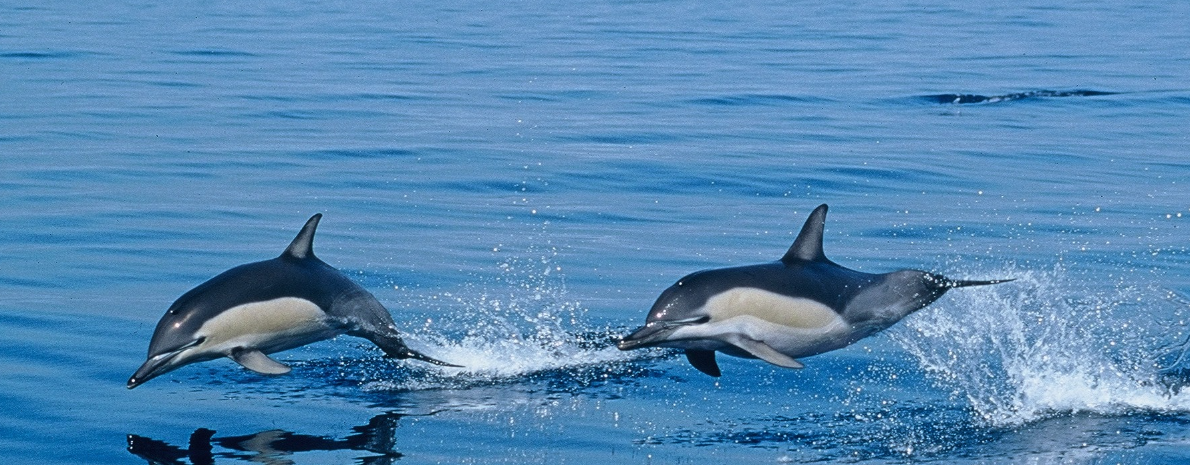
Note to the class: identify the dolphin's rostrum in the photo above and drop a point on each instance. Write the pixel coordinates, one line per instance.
(260, 308)
(778, 312)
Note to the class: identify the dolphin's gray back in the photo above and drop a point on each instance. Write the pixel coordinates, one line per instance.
(803, 272)
(307, 278)
(820, 281)
(333, 292)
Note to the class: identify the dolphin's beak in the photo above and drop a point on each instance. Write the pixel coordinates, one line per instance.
(152, 368)
(158, 365)
(651, 334)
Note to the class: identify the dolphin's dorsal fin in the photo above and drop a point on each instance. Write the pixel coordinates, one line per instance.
(303, 245)
(808, 245)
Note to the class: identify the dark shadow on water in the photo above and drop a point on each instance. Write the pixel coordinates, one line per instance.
(1175, 381)
(377, 439)
(967, 99)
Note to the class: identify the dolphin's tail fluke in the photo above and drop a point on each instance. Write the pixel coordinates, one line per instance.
(955, 283)
(935, 285)
(394, 347)
(938, 284)
(413, 354)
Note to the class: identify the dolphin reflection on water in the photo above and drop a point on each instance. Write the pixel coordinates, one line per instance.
(275, 447)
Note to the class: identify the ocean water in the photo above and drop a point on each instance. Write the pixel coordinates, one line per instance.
(518, 181)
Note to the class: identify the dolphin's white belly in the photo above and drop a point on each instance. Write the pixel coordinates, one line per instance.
(268, 326)
(796, 327)
(791, 341)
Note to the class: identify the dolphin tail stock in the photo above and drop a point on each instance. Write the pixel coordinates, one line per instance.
(393, 346)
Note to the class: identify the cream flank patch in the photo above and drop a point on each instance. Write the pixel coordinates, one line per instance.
(259, 321)
(794, 312)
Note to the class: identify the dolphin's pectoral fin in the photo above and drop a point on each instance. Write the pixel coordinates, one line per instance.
(257, 361)
(704, 361)
(766, 353)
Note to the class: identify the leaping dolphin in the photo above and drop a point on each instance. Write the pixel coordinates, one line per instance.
(778, 312)
(260, 308)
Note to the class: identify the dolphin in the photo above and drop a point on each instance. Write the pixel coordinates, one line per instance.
(260, 308)
(801, 305)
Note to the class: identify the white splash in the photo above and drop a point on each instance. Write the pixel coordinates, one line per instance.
(507, 358)
(1044, 346)
(514, 324)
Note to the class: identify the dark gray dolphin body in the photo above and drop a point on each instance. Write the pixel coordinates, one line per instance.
(799, 306)
(260, 308)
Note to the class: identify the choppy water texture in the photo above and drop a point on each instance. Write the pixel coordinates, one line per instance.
(518, 182)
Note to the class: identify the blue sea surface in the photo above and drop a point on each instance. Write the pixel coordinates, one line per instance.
(518, 181)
